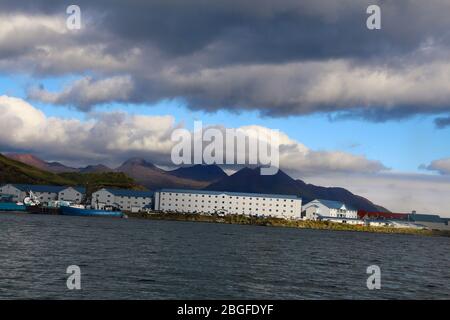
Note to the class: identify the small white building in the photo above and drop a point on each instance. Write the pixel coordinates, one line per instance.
(72, 194)
(126, 200)
(43, 193)
(221, 202)
(319, 209)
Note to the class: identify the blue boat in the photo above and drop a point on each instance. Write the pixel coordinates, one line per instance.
(11, 206)
(6, 204)
(83, 212)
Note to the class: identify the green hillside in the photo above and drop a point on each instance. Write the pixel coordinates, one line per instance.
(12, 171)
(95, 181)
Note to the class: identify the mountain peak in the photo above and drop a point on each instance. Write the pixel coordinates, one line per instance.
(26, 158)
(200, 172)
(138, 162)
(34, 161)
(251, 180)
(96, 169)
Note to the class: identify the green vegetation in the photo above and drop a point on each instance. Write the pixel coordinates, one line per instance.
(12, 171)
(95, 181)
(277, 222)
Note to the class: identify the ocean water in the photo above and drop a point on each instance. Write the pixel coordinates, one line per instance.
(144, 259)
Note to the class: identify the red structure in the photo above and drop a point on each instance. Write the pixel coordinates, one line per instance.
(362, 214)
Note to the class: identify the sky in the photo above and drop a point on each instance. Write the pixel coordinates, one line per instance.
(368, 110)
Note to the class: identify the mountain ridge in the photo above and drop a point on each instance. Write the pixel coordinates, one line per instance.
(13, 171)
(153, 177)
(250, 180)
(210, 173)
(210, 177)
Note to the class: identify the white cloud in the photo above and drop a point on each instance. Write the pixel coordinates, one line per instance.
(104, 136)
(119, 135)
(41, 44)
(20, 32)
(295, 157)
(442, 166)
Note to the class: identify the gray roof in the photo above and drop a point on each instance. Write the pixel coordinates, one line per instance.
(79, 189)
(45, 188)
(239, 194)
(334, 204)
(130, 193)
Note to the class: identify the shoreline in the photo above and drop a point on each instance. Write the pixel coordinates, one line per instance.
(278, 222)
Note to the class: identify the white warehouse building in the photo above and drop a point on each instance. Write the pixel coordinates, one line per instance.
(222, 202)
(322, 209)
(44, 193)
(127, 200)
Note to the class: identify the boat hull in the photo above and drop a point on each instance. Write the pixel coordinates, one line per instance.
(42, 210)
(11, 206)
(70, 211)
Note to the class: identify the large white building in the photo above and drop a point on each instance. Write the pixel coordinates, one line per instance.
(44, 193)
(221, 202)
(127, 200)
(322, 209)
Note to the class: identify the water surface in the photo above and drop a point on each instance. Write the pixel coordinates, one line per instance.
(144, 259)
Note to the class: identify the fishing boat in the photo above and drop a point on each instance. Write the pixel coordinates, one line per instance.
(7, 204)
(33, 205)
(80, 210)
(52, 207)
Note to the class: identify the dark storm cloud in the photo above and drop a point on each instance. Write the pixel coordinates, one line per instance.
(262, 30)
(279, 57)
(442, 123)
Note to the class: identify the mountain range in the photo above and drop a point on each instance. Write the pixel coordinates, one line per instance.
(13, 171)
(55, 167)
(207, 177)
(250, 180)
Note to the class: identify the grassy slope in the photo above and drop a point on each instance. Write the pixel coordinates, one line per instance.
(12, 171)
(94, 181)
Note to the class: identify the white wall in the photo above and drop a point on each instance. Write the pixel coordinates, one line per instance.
(315, 208)
(11, 190)
(125, 203)
(46, 196)
(70, 194)
(185, 202)
(101, 198)
(20, 195)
